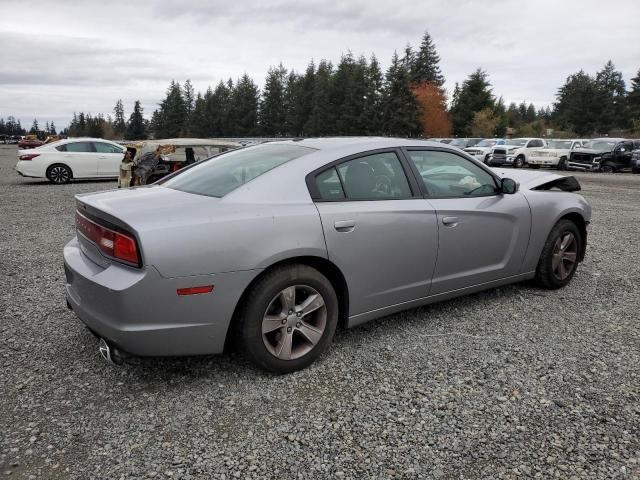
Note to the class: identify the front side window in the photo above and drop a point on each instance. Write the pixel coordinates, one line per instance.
(446, 174)
(102, 147)
(79, 147)
(224, 173)
(374, 177)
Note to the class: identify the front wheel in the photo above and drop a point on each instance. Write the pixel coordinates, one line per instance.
(518, 162)
(559, 259)
(607, 168)
(289, 318)
(59, 174)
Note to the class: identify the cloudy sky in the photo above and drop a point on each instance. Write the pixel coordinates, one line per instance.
(61, 56)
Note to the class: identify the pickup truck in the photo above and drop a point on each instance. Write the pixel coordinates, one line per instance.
(608, 155)
(555, 154)
(514, 152)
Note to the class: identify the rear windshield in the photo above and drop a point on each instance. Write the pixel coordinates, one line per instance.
(224, 173)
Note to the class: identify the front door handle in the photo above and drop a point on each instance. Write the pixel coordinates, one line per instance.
(451, 221)
(345, 225)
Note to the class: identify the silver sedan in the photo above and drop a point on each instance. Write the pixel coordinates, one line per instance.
(270, 247)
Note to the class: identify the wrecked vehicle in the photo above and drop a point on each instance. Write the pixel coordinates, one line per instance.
(555, 154)
(148, 161)
(607, 155)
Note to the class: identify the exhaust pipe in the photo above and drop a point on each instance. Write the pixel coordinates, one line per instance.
(110, 353)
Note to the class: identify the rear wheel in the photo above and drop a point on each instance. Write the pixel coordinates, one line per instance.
(59, 174)
(289, 318)
(559, 258)
(607, 168)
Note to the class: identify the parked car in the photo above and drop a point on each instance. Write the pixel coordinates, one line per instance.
(463, 143)
(607, 155)
(150, 160)
(13, 139)
(4, 139)
(482, 150)
(446, 141)
(30, 141)
(555, 154)
(272, 246)
(514, 152)
(635, 161)
(73, 158)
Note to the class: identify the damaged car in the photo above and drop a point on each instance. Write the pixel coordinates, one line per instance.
(268, 248)
(555, 154)
(607, 155)
(147, 162)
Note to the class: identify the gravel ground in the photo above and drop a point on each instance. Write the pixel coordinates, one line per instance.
(515, 382)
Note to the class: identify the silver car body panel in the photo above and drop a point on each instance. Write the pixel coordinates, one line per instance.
(399, 253)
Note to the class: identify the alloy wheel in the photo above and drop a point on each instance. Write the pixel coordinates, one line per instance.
(565, 256)
(294, 322)
(59, 174)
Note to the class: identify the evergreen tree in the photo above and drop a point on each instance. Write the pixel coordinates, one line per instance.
(118, 120)
(374, 87)
(319, 121)
(218, 110)
(611, 97)
(426, 64)
(244, 107)
(474, 96)
(633, 99)
(136, 124)
(199, 123)
(348, 96)
(52, 128)
(173, 112)
(400, 108)
(46, 127)
(273, 111)
(189, 104)
(575, 108)
(34, 126)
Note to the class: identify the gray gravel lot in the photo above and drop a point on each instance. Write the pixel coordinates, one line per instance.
(515, 382)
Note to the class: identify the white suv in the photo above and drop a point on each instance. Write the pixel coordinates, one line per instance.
(514, 152)
(72, 158)
(556, 154)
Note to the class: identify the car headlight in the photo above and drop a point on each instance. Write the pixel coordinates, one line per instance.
(596, 159)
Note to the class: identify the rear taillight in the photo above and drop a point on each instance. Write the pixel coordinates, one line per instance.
(29, 156)
(118, 245)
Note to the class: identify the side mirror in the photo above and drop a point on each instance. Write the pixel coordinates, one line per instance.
(508, 186)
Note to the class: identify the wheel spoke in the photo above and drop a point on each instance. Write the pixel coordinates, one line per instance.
(312, 334)
(272, 322)
(555, 260)
(283, 349)
(288, 298)
(570, 257)
(311, 304)
(566, 241)
(562, 271)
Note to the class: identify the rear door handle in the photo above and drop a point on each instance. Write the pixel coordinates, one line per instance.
(452, 221)
(345, 225)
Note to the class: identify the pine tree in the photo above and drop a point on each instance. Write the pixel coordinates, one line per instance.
(46, 127)
(244, 107)
(400, 108)
(474, 96)
(189, 104)
(575, 108)
(218, 108)
(34, 126)
(348, 96)
(52, 128)
(426, 64)
(374, 88)
(136, 124)
(319, 121)
(273, 111)
(173, 112)
(118, 120)
(633, 99)
(611, 98)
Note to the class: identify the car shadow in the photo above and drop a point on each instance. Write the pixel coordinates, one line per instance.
(40, 182)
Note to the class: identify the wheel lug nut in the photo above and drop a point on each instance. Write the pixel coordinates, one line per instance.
(298, 325)
(290, 312)
(298, 314)
(284, 321)
(289, 329)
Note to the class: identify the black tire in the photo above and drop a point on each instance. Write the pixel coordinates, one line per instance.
(261, 296)
(635, 170)
(59, 174)
(486, 159)
(545, 276)
(519, 162)
(562, 164)
(608, 168)
(535, 167)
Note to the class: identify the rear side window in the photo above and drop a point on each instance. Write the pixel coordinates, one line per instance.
(102, 147)
(329, 185)
(377, 176)
(79, 147)
(225, 173)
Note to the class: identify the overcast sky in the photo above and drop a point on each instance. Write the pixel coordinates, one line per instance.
(61, 56)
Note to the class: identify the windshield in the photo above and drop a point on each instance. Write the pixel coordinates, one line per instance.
(516, 142)
(486, 143)
(600, 145)
(566, 144)
(222, 174)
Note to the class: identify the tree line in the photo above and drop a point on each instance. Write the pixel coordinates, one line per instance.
(355, 97)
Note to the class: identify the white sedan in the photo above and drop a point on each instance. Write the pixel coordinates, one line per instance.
(72, 158)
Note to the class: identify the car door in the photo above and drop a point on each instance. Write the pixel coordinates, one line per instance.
(81, 158)
(378, 229)
(109, 158)
(622, 154)
(483, 234)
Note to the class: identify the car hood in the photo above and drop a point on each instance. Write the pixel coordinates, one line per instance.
(591, 150)
(530, 179)
(479, 149)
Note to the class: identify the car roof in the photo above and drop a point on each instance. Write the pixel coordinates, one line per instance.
(356, 143)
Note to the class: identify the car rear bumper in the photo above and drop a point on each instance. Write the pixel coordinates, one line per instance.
(28, 168)
(140, 312)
